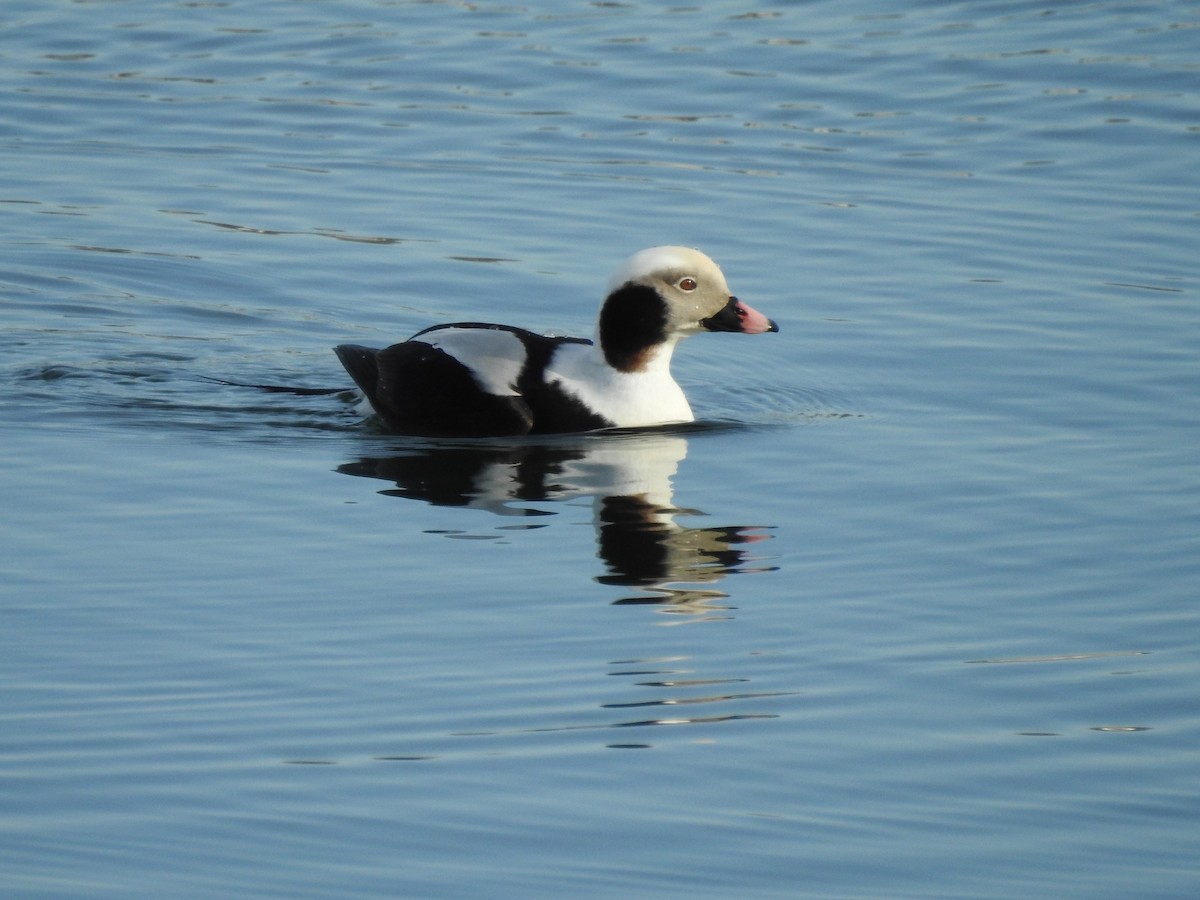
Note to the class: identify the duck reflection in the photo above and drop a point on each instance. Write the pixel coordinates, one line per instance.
(629, 478)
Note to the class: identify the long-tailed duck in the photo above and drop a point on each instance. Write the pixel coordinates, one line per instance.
(472, 379)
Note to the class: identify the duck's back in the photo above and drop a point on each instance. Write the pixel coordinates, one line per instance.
(469, 379)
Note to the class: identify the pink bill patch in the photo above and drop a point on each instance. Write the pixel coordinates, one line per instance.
(753, 322)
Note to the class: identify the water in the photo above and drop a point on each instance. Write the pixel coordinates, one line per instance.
(910, 613)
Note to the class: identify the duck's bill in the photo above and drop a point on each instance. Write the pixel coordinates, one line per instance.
(740, 317)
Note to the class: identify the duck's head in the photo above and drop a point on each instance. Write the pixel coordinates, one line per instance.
(663, 294)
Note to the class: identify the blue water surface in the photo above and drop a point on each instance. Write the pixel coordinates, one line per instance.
(911, 610)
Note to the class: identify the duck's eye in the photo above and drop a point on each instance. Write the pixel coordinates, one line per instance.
(686, 284)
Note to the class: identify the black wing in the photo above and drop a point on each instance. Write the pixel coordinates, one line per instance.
(420, 390)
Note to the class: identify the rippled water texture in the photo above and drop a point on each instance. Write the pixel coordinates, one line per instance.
(909, 612)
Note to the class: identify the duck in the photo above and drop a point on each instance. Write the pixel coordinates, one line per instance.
(477, 379)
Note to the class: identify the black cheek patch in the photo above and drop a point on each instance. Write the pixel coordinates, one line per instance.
(632, 320)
